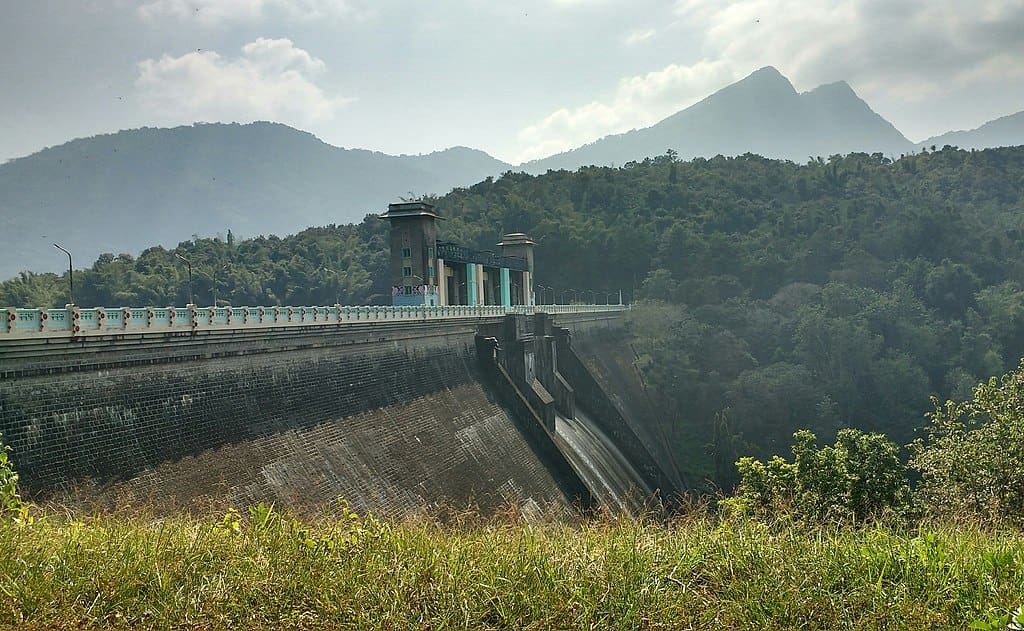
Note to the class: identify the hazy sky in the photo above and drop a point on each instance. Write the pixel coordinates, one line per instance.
(519, 80)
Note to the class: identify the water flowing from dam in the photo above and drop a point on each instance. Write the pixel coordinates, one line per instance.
(600, 464)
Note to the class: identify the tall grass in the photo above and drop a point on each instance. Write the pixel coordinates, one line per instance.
(701, 571)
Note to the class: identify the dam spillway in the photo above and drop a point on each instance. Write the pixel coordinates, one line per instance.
(615, 483)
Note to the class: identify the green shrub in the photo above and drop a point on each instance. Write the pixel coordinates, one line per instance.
(970, 460)
(859, 477)
(11, 504)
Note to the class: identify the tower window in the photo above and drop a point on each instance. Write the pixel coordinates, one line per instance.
(407, 271)
(406, 253)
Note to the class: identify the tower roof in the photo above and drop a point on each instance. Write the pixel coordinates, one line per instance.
(402, 210)
(516, 238)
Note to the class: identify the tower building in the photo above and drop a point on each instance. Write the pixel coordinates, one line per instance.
(413, 253)
(425, 271)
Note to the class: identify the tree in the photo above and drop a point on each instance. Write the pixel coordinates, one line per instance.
(970, 459)
(859, 477)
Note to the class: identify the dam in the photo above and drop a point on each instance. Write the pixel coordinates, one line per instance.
(395, 409)
(463, 393)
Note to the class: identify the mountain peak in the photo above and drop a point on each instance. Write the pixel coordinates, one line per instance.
(767, 76)
(768, 71)
(761, 113)
(838, 88)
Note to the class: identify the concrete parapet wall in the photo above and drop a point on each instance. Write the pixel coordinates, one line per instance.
(76, 322)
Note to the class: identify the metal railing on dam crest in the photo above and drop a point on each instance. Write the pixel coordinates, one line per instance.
(75, 321)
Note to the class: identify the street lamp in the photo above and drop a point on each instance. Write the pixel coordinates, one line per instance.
(574, 298)
(593, 296)
(216, 283)
(189, 263)
(71, 275)
(337, 291)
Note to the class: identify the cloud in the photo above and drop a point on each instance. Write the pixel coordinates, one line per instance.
(215, 12)
(902, 49)
(638, 102)
(572, 4)
(272, 79)
(639, 36)
(892, 51)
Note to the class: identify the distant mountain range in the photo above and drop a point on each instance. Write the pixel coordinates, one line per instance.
(1007, 131)
(760, 114)
(125, 191)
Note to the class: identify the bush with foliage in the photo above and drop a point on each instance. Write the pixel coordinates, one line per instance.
(971, 458)
(859, 477)
(11, 504)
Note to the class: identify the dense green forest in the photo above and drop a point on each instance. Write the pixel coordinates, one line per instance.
(770, 296)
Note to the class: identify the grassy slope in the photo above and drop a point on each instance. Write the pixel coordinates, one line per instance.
(698, 572)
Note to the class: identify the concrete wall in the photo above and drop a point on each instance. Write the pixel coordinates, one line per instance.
(611, 362)
(391, 417)
(607, 411)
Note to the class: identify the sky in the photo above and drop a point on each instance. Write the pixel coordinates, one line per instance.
(518, 79)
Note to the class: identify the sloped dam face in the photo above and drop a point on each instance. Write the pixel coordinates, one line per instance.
(394, 419)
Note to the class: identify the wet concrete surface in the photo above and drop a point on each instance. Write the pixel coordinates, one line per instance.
(607, 473)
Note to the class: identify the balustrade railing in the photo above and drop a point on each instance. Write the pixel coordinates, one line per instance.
(75, 321)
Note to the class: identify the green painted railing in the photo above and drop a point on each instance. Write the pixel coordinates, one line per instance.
(75, 321)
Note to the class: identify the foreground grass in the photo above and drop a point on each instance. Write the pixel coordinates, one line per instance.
(697, 572)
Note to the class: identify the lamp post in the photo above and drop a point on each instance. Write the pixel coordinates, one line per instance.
(189, 263)
(71, 275)
(337, 293)
(593, 296)
(215, 285)
(574, 297)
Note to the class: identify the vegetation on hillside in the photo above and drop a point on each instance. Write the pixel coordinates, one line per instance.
(770, 296)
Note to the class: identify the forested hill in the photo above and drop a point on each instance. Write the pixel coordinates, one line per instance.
(121, 192)
(775, 295)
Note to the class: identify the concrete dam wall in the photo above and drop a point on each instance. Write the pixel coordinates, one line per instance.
(394, 417)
